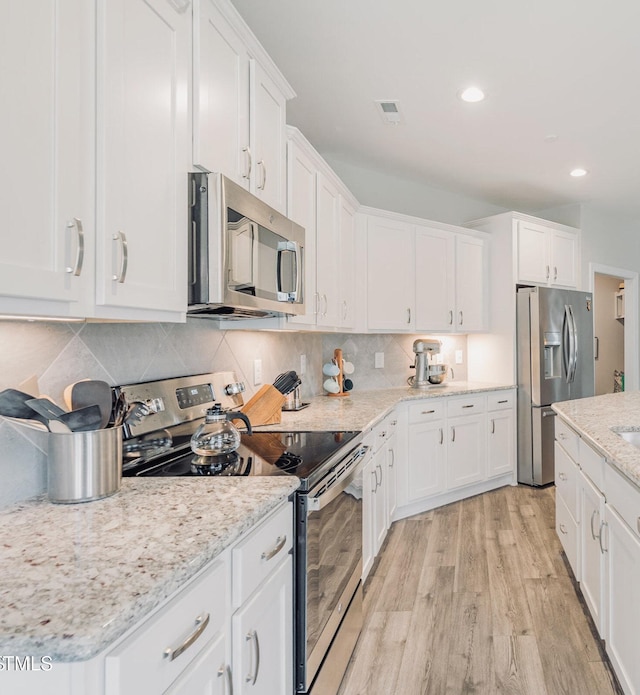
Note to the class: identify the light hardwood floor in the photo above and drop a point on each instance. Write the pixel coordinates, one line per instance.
(475, 598)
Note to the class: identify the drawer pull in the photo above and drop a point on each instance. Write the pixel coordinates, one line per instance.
(442, 442)
(252, 676)
(562, 476)
(603, 525)
(563, 529)
(504, 401)
(468, 406)
(493, 426)
(638, 524)
(201, 625)
(428, 412)
(593, 516)
(453, 434)
(280, 541)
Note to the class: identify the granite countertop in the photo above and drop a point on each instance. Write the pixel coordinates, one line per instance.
(596, 420)
(75, 577)
(362, 410)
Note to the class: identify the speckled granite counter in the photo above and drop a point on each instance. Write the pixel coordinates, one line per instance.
(361, 410)
(594, 418)
(73, 578)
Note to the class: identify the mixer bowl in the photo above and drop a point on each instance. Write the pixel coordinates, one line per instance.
(437, 373)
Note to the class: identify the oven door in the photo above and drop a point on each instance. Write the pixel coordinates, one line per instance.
(328, 566)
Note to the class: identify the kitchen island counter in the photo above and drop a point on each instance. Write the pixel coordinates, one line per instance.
(76, 577)
(596, 419)
(362, 410)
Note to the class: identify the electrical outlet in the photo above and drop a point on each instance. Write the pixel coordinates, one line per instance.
(379, 360)
(257, 372)
(458, 356)
(303, 364)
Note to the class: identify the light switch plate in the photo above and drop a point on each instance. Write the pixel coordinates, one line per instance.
(458, 356)
(257, 372)
(379, 360)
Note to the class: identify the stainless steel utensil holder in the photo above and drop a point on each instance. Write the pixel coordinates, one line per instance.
(84, 466)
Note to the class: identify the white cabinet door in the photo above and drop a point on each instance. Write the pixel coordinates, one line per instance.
(435, 280)
(46, 136)
(392, 484)
(593, 566)
(500, 442)
(143, 153)
(563, 258)
(380, 524)
(262, 632)
(533, 253)
(465, 450)
(208, 673)
(390, 275)
(220, 96)
(623, 601)
(267, 119)
(426, 459)
(347, 252)
(369, 485)
(327, 252)
(470, 284)
(301, 208)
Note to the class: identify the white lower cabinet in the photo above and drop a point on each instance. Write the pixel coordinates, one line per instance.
(456, 446)
(200, 678)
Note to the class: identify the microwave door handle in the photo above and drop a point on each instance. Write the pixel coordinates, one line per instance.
(288, 247)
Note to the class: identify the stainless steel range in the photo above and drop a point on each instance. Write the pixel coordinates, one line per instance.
(328, 505)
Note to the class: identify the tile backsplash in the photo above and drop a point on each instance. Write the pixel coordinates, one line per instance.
(61, 353)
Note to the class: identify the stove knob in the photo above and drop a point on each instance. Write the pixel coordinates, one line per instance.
(233, 389)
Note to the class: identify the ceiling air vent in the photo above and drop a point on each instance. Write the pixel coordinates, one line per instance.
(389, 111)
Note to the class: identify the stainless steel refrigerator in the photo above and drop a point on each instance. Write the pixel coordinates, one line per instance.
(555, 363)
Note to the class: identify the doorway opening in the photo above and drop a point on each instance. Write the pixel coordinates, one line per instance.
(615, 300)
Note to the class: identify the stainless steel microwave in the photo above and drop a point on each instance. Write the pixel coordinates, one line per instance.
(246, 260)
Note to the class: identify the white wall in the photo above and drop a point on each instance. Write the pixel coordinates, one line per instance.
(410, 197)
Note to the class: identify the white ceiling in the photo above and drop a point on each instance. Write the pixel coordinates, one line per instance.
(565, 68)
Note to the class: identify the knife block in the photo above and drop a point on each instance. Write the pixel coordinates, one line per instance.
(265, 406)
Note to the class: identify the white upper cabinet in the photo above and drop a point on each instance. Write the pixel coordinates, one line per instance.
(390, 274)
(470, 281)
(546, 255)
(143, 154)
(239, 104)
(220, 95)
(317, 200)
(435, 280)
(46, 130)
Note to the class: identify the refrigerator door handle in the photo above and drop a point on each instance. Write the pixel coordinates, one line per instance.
(574, 352)
(566, 344)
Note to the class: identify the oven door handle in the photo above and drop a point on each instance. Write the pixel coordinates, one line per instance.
(319, 500)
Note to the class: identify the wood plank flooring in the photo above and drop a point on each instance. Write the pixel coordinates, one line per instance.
(475, 598)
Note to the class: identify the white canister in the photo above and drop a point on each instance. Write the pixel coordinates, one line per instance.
(84, 466)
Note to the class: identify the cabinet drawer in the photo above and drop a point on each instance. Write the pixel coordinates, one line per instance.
(185, 625)
(260, 553)
(465, 406)
(567, 530)
(502, 400)
(424, 411)
(592, 464)
(566, 479)
(624, 498)
(567, 438)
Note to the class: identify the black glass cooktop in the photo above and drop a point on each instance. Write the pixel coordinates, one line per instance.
(262, 453)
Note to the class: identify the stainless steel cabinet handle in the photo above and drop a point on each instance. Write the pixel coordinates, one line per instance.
(408, 315)
(547, 272)
(451, 317)
(201, 625)
(453, 434)
(593, 533)
(468, 406)
(248, 163)
(393, 457)
(563, 529)
(442, 438)
(254, 663)
(555, 273)
(225, 672)
(344, 309)
(603, 550)
(326, 305)
(378, 468)
(461, 318)
(124, 258)
(493, 426)
(638, 524)
(263, 181)
(280, 541)
(375, 477)
(316, 309)
(505, 401)
(427, 412)
(77, 266)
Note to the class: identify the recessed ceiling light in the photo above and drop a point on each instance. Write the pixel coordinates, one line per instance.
(576, 173)
(472, 94)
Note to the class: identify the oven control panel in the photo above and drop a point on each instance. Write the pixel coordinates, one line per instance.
(188, 396)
